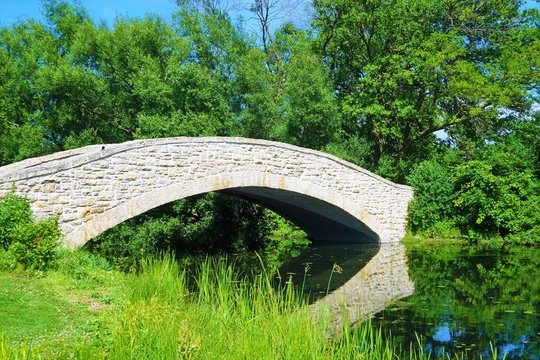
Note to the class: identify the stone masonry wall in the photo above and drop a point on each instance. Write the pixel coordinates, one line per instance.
(94, 188)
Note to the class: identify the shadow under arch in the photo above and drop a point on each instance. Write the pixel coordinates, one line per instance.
(322, 221)
(312, 207)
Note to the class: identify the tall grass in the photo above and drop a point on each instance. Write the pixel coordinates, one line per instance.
(212, 312)
(222, 316)
(22, 351)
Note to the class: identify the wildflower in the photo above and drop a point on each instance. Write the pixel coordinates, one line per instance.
(337, 269)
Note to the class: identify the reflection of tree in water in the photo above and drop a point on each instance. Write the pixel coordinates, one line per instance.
(466, 299)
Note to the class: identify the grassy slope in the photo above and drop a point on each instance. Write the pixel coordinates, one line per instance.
(60, 311)
(40, 313)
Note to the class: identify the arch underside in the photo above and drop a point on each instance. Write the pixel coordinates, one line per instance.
(322, 221)
(324, 215)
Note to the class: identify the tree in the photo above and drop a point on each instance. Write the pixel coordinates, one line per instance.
(434, 193)
(311, 112)
(405, 69)
(497, 190)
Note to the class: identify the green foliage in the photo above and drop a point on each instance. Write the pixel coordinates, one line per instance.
(197, 76)
(286, 241)
(492, 192)
(28, 242)
(312, 117)
(207, 224)
(482, 200)
(164, 318)
(166, 311)
(405, 69)
(434, 193)
(498, 194)
(371, 82)
(528, 237)
(13, 211)
(126, 245)
(35, 244)
(81, 265)
(352, 149)
(486, 297)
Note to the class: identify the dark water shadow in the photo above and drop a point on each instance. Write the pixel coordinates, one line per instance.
(325, 267)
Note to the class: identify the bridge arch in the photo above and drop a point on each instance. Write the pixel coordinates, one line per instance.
(94, 188)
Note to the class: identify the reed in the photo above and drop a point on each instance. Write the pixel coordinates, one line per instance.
(227, 316)
(20, 351)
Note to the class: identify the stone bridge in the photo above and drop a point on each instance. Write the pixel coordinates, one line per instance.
(94, 188)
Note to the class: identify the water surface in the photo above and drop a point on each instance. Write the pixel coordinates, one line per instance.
(324, 267)
(465, 298)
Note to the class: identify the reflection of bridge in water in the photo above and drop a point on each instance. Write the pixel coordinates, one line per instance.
(383, 280)
(368, 279)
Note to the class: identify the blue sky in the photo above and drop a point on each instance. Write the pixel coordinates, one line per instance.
(108, 10)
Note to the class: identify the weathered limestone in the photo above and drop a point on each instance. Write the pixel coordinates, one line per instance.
(94, 188)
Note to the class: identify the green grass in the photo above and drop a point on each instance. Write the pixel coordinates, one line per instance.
(168, 312)
(38, 317)
(58, 312)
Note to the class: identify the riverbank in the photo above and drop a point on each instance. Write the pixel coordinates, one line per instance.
(83, 309)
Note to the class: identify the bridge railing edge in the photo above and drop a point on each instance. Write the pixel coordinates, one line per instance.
(38, 166)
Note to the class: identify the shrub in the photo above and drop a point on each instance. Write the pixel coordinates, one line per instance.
(494, 201)
(80, 264)
(8, 262)
(211, 223)
(529, 237)
(25, 241)
(431, 207)
(14, 210)
(128, 244)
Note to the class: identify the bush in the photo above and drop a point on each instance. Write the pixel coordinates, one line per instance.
(8, 262)
(211, 223)
(80, 264)
(529, 237)
(14, 210)
(496, 201)
(431, 207)
(128, 244)
(23, 240)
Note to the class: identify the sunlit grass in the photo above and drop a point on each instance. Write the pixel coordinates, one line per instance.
(206, 312)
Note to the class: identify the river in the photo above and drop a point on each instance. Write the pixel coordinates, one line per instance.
(465, 300)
